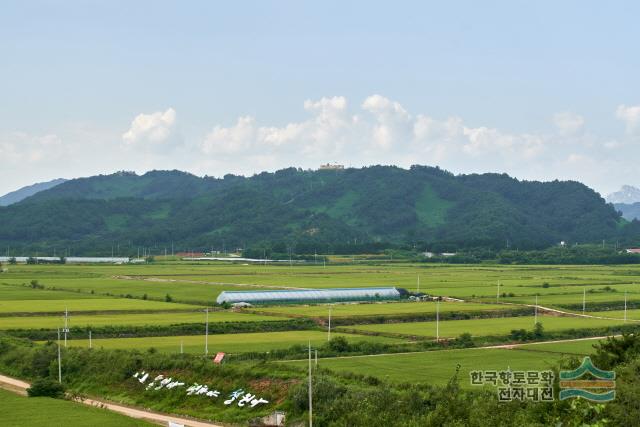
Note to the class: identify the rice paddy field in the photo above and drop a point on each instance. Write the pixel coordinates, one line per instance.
(88, 304)
(228, 343)
(201, 283)
(172, 292)
(37, 411)
(582, 347)
(486, 327)
(379, 309)
(130, 319)
(438, 367)
(618, 314)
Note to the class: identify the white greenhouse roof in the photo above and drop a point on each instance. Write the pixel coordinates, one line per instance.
(341, 294)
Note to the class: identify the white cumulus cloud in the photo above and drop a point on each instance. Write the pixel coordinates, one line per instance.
(376, 130)
(568, 123)
(153, 128)
(630, 115)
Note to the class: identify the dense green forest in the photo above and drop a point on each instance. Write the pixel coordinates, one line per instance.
(310, 211)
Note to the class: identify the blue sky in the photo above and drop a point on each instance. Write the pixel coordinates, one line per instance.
(540, 90)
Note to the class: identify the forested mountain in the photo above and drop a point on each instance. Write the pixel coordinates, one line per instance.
(24, 192)
(425, 206)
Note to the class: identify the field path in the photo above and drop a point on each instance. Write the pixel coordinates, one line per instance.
(512, 346)
(20, 387)
(544, 309)
(202, 282)
(497, 346)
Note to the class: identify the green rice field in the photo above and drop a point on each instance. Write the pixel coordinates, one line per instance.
(230, 343)
(379, 309)
(581, 347)
(485, 327)
(43, 411)
(87, 304)
(53, 322)
(201, 283)
(438, 367)
(617, 314)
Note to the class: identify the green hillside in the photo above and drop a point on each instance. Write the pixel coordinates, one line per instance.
(305, 209)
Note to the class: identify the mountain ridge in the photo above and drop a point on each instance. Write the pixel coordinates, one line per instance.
(420, 205)
(28, 191)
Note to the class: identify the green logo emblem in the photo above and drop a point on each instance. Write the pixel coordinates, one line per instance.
(597, 389)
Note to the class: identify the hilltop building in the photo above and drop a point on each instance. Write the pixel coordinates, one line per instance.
(331, 166)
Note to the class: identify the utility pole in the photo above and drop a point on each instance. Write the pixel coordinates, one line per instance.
(66, 325)
(498, 293)
(329, 329)
(418, 285)
(536, 311)
(625, 306)
(59, 359)
(90, 342)
(584, 300)
(181, 346)
(206, 332)
(438, 321)
(310, 391)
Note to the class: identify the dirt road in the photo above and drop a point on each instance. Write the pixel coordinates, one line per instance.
(20, 387)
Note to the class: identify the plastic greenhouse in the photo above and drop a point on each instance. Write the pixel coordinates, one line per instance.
(308, 295)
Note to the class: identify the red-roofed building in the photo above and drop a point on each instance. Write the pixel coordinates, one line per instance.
(633, 251)
(190, 254)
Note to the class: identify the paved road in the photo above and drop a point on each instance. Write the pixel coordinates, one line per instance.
(19, 386)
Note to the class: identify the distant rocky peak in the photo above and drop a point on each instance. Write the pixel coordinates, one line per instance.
(627, 194)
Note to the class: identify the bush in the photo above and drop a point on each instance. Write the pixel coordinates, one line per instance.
(466, 340)
(46, 387)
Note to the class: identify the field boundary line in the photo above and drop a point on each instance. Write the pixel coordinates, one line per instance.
(202, 282)
(567, 313)
(488, 347)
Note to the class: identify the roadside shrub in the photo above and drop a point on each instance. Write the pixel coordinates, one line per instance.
(46, 387)
(465, 340)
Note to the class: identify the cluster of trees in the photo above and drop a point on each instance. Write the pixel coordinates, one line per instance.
(588, 254)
